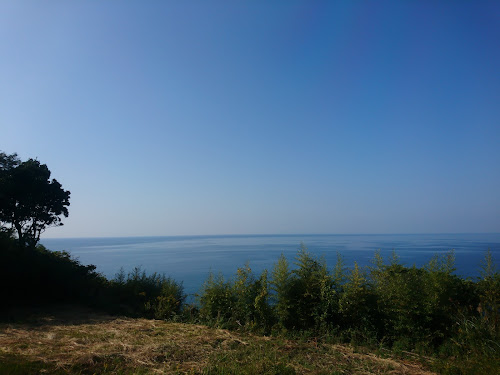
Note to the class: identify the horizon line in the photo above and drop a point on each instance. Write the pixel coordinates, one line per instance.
(273, 234)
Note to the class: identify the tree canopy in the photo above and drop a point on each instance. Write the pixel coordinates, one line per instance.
(29, 201)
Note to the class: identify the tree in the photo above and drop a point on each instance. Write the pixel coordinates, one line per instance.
(29, 201)
(8, 161)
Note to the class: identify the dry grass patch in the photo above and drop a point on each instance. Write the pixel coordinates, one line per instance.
(79, 341)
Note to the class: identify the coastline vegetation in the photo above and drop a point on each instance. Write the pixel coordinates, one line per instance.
(450, 323)
(290, 314)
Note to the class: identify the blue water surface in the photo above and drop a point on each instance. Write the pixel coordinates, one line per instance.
(190, 258)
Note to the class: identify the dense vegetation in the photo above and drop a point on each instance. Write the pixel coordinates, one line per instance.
(428, 310)
(30, 201)
(37, 276)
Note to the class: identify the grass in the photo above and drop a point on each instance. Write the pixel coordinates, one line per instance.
(79, 341)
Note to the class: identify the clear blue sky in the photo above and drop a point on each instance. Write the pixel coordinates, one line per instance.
(225, 117)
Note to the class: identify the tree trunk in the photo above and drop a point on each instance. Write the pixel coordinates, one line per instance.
(20, 236)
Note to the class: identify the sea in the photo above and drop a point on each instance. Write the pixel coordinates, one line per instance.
(190, 259)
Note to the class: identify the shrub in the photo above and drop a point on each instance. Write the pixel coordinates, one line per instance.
(217, 301)
(37, 276)
(169, 302)
(489, 293)
(139, 294)
(251, 306)
(281, 285)
(305, 298)
(311, 286)
(357, 306)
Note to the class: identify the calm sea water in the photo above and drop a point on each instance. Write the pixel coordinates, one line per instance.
(190, 258)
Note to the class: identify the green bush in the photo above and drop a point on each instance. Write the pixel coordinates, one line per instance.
(311, 284)
(241, 302)
(37, 276)
(281, 285)
(217, 301)
(489, 293)
(251, 294)
(427, 309)
(305, 298)
(139, 294)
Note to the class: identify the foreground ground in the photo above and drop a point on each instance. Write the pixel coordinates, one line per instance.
(83, 342)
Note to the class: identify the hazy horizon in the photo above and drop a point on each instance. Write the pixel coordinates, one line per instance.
(275, 235)
(173, 118)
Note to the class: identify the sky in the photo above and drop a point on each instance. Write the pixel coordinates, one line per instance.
(258, 117)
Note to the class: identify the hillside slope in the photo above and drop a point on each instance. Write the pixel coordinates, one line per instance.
(81, 341)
